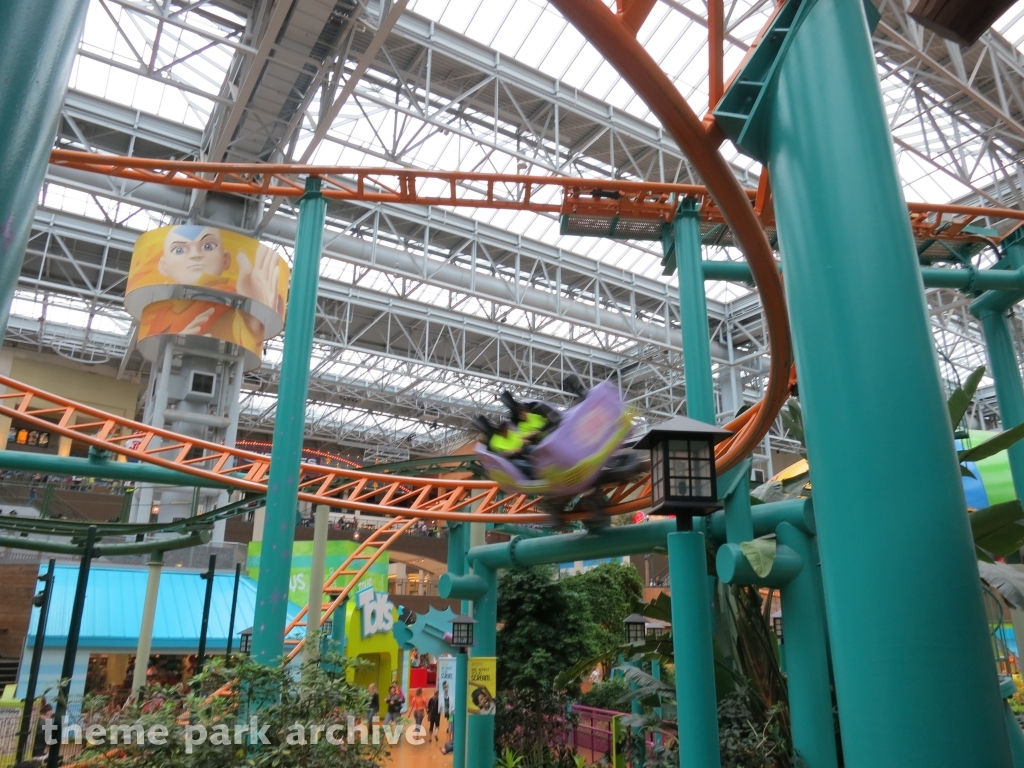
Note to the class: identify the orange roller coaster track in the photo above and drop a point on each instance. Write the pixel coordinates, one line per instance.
(607, 198)
(434, 498)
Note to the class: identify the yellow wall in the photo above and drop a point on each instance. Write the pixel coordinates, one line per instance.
(380, 651)
(99, 391)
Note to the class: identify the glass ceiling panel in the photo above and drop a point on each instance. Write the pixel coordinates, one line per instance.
(177, 71)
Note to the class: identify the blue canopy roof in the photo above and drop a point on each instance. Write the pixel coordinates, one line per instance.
(113, 608)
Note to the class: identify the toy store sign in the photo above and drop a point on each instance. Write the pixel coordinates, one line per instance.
(378, 613)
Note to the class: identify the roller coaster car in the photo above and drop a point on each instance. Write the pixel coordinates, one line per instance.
(581, 453)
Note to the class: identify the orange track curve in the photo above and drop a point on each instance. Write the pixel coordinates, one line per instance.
(434, 498)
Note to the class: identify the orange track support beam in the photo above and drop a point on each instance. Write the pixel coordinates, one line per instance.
(716, 52)
(633, 13)
(432, 498)
(590, 197)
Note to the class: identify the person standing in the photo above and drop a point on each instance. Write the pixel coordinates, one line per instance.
(433, 717)
(418, 706)
(395, 701)
(374, 704)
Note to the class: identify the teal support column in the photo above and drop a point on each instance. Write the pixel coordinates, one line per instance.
(687, 564)
(289, 429)
(991, 309)
(865, 354)
(480, 750)
(691, 639)
(1008, 688)
(458, 545)
(805, 637)
(339, 626)
(459, 740)
(38, 42)
(693, 314)
(1002, 360)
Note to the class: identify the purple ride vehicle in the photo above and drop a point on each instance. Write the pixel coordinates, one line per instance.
(577, 455)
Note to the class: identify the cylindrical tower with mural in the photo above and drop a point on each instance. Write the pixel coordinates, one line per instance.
(204, 300)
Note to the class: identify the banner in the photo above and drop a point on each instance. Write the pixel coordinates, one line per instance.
(302, 562)
(483, 685)
(195, 317)
(447, 693)
(191, 261)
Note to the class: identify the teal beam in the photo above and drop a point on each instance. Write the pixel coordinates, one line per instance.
(525, 552)
(469, 587)
(805, 636)
(766, 518)
(289, 429)
(998, 302)
(1000, 280)
(521, 530)
(22, 461)
(696, 707)
(38, 42)
(733, 567)
(1002, 360)
(568, 547)
(693, 314)
(864, 350)
(108, 550)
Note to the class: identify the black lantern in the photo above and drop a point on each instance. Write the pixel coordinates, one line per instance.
(462, 631)
(636, 629)
(777, 626)
(327, 628)
(245, 643)
(683, 481)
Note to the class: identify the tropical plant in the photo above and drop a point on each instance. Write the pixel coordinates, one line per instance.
(546, 628)
(508, 759)
(533, 725)
(286, 707)
(607, 694)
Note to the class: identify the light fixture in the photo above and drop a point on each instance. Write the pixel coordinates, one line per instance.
(683, 480)
(777, 626)
(462, 631)
(636, 629)
(245, 643)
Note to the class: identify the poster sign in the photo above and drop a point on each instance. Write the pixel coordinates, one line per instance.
(483, 685)
(446, 690)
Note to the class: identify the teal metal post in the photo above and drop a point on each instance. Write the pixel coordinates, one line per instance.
(693, 314)
(809, 682)
(865, 355)
(289, 430)
(1002, 359)
(480, 749)
(691, 640)
(458, 544)
(338, 627)
(1007, 687)
(38, 42)
(687, 563)
(459, 740)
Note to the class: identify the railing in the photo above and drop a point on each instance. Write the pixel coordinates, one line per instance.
(10, 725)
(411, 587)
(593, 730)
